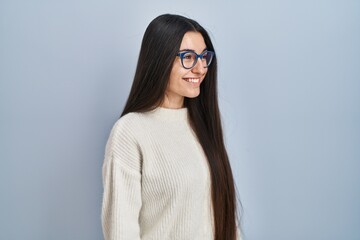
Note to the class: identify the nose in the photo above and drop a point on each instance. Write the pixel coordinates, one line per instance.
(199, 67)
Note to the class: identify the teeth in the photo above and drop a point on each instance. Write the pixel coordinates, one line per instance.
(193, 80)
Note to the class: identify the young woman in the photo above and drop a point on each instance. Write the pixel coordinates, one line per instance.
(166, 172)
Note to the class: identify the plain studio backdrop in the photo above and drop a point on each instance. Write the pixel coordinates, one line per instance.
(289, 89)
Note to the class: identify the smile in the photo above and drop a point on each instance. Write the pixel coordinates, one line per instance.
(192, 80)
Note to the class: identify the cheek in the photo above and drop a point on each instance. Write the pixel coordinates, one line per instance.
(176, 75)
(206, 71)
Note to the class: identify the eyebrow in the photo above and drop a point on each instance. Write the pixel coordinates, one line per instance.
(184, 50)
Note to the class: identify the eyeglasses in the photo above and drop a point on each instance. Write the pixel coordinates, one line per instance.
(189, 58)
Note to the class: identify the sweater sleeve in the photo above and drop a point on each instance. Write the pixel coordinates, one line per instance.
(122, 186)
(238, 231)
(238, 234)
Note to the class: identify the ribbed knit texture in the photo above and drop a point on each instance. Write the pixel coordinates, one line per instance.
(156, 179)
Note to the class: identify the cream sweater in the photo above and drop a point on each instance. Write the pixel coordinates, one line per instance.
(156, 179)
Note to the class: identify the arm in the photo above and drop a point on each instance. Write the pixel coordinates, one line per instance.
(122, 186)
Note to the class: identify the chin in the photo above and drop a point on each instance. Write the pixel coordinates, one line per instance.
(193, 95)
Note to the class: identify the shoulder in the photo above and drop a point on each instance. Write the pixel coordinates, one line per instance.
(125, 133)
(123, 145)
(127, 126)
(127, 122)
(133, 126)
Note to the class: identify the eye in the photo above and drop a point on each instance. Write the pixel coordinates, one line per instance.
(188, 56)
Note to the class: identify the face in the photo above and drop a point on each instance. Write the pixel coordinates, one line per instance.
(186, 82)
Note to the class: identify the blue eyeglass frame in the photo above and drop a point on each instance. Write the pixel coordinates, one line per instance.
(201, 55)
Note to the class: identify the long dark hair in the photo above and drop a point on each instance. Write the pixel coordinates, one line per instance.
(161, 41)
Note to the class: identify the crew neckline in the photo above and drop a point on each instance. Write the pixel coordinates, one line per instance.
(170, 114)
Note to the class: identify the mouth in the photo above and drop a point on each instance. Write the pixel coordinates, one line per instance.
(192, 80)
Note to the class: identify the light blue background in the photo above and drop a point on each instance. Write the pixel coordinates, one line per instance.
(289, 88)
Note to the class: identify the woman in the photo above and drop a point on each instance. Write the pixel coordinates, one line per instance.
(166, 171)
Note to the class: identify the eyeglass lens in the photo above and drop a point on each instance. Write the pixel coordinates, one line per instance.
(189, 59)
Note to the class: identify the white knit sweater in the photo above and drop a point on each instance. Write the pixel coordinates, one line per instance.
(156, 179)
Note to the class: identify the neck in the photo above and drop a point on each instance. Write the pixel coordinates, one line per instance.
(173, 102)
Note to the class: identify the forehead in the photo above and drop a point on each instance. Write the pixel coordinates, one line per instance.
(193, 41)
